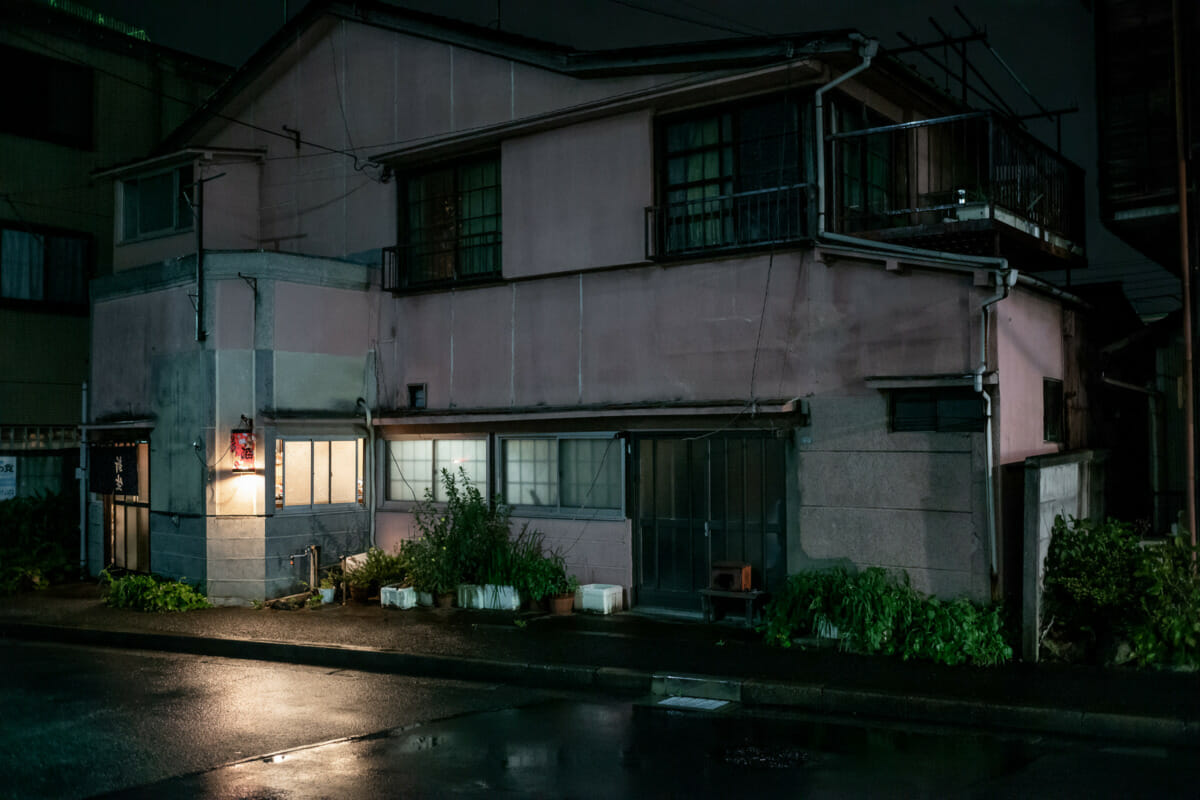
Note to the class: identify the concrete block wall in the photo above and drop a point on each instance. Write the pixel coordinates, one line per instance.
(1071, 485)
(177, 547)
(235, 550)
(336, 533)
(866, 497)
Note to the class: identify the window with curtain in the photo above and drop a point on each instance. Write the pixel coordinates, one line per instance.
(451, 223)
(43, 266)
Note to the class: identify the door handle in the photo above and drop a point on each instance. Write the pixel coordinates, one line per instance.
(706, 527)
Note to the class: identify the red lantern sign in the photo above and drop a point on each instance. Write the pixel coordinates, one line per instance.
(241, 445)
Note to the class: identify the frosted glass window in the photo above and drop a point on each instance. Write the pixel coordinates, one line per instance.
(297, 473)
(531, 472)
(564, 474)
(318, 472)
(452, 455)
(415, 466)
(343, 472)
(591, 473)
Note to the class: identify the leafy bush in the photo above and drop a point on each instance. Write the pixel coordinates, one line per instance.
(1104, 588)
(39, 541)
(873, 612)
(150, 593)
(1089, 582)
(379, 568)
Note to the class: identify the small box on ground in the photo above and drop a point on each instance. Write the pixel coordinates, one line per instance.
(602, 598)
(397, 596)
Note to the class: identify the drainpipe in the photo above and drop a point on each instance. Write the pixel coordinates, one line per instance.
(866, 51)
(1005, 279)
(370, 482)
(81, 473)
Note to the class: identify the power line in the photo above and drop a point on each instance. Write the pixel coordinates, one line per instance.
(678, 17)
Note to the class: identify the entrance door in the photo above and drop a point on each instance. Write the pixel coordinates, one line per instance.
(127, 516)
(705, 499)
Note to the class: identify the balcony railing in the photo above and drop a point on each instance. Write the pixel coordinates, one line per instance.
(954, 169)
(464, 259)
(728, 222)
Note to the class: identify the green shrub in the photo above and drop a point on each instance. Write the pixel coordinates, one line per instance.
(150, 593)
(873, 612)
(39, 541)
(1090, 577)
(1165, 628)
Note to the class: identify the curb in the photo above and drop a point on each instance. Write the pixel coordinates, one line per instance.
(809, 697)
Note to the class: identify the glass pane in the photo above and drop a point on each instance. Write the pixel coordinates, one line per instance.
(468, 455)
(410, 469)
(531, 472)
(156, 203)
(21, 258)
(320, 473)
(278, 473)
(591, 473)
(66, 269)
(129, 209)
(297, 473)
(343, 472)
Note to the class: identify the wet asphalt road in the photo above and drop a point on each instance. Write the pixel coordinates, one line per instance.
(82, 721)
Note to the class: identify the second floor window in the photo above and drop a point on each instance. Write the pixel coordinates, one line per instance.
(451, 223)
(155, 205)
(732, 177)
(43, 266)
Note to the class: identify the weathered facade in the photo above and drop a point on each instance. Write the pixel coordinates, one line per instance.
(80, 96)
(625, 291)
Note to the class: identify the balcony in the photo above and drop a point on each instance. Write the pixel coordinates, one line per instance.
(728, 222)
(970, 183)
(462, 259)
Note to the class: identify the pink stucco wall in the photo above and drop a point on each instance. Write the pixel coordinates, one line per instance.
(686, 333)
(1029, 346)
(318, 319)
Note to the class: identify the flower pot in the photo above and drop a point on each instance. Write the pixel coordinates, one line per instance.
(424, 599)
(359, 594)
(327, 594)
(562, 604)
(445, 600)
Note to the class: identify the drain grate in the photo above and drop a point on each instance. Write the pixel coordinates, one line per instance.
(693, 703)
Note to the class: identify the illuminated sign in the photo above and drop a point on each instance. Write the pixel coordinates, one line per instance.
(241, 446)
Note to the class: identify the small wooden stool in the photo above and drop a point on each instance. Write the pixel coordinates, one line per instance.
(751, 598)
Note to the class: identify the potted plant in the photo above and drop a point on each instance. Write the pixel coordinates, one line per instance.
(328, 586)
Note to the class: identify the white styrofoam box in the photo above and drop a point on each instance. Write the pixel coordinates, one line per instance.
(425, 599)
(603, 598)
(398, 596)
(470, 596)
(503, 598)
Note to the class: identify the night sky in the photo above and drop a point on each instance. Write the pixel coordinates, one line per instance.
(1048, 43)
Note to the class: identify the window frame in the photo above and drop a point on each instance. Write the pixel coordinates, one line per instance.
(1052, 388)
(180, 223)
(937, 395)
(456, 245)
(280, 505)
(435, 477)
(46, 233)
(560, 511)
(746, 194)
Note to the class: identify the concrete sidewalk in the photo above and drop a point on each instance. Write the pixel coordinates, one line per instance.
(636, 654)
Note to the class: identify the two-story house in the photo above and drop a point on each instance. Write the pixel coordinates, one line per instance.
(767, 300)
(80, 92)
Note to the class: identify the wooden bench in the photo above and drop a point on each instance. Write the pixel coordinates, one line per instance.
(750, 598)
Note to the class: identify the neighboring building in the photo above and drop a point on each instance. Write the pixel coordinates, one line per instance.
(77, 95)
(602, 284)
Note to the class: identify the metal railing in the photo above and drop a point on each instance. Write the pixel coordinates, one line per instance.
(465, 259)
(952, 169)
(726, 222)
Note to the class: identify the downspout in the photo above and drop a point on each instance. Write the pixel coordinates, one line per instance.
(370, 482)
(1005, 279)
(81, 473)
(866, 51)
